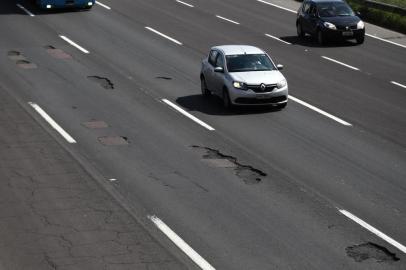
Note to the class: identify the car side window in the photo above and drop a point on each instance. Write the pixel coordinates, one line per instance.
(212, 57)
(306, 7)
(313, 10)
(219, 61)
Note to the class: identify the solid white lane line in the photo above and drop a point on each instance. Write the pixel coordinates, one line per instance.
(103, 5)
(320, 111)
(374, 230)
(228, 20)
(74, 44)
(398, 84)
(278, 39)
(287, 9)
(53, 124)
(188, 250)
(163, 35)
(340, 63)
(25, 10)
(184, 3)
(385, 40)
(185, 113)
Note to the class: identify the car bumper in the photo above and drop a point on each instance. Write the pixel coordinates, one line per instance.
(249, 97)
(343, 34)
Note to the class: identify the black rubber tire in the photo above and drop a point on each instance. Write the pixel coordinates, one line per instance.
(360, 40)
(320, 38)
(226, 99)
(299, 30)
(203, 87)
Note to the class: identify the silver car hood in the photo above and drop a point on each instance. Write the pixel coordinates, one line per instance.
(258, 77)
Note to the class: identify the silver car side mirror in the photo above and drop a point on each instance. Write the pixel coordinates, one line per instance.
(219, 69)
(279, 66)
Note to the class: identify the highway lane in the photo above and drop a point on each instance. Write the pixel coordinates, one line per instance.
(230, 126)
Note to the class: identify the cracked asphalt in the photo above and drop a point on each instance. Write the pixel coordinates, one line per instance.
(53, 215)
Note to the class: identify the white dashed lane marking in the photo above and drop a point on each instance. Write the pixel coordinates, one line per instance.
(278, 39)
(227, 20)
(74, 44)
(25, 10)
(163, 35)
(340, 63)
(184, 3)
(398, 84)
(103, 5)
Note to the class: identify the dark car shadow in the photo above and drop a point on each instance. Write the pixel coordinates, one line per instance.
(213, 105)
(9, 7)
(309, 41)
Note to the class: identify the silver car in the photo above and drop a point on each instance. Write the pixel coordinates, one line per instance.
(243, 75)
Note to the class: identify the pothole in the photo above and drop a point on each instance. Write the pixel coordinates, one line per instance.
(25, 64)
(57, 53)
(94, 124)
(102, 81)
(113, 140)
(247, 173)
(164, 78)
(370, 250)
(15, 55)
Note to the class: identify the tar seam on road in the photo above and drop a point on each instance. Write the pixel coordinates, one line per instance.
(185, 113)
(184, 3)
(278, 39)
(320, 111)
(163, 35)
(51, 122)
(398, 84)
(228, 20)
(103, 5)
(373, 230)
(340, 63)
(26, 10)
(188, 250)
(74, 44)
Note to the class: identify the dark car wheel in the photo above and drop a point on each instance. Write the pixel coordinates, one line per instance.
(299, 30)
(360, 40)
(226, 99)
(203, 86)
(320, 38)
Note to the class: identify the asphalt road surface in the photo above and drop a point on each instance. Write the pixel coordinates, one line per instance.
(318, 185)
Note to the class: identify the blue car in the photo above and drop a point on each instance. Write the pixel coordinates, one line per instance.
(52, 4)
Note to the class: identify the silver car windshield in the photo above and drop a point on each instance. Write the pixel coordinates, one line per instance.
(249, 62)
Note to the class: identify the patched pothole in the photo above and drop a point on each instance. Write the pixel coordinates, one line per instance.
(215, 158)
(113, 140)
(57, 53)
(102, 81)
(370, 250)
(95, 124)
(25, 64)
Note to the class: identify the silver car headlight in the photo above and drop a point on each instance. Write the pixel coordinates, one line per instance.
(240, 85)
(281, 84)
(360, 25)
(330, 26)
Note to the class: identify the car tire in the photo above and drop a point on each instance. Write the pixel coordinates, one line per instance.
(320, 38)
(360, 40)
(203, 87)
(226, 99)
(299, 30)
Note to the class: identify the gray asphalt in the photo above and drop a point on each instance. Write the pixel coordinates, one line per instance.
(173, 168)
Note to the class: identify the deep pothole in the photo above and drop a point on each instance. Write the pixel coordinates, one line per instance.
(372, 251)
(247, 173)
(102, 81)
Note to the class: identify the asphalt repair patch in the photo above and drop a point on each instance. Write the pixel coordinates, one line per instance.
(113, 140)
(20, 60)
(57, 53)
(215, 158)
(370, 250)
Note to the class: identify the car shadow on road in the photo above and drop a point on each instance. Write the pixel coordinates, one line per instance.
(9, 7)
(213, 105)
(309, 41)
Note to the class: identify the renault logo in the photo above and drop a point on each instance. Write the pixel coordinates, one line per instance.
(262, 86)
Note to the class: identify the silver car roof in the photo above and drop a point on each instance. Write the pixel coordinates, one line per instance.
(238, 49)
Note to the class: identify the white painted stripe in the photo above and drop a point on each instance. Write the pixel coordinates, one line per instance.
(373, 230)
(278, 39)
(320, 111)
(180, 243)
(228, 20)
(53, 124)
(25, 10)
(385, 40)
(74, 44)
(185, 113)
(103, 5)
(265, 2)
(340, 63)
(398, 84)
(163, 35)
(184, 3)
